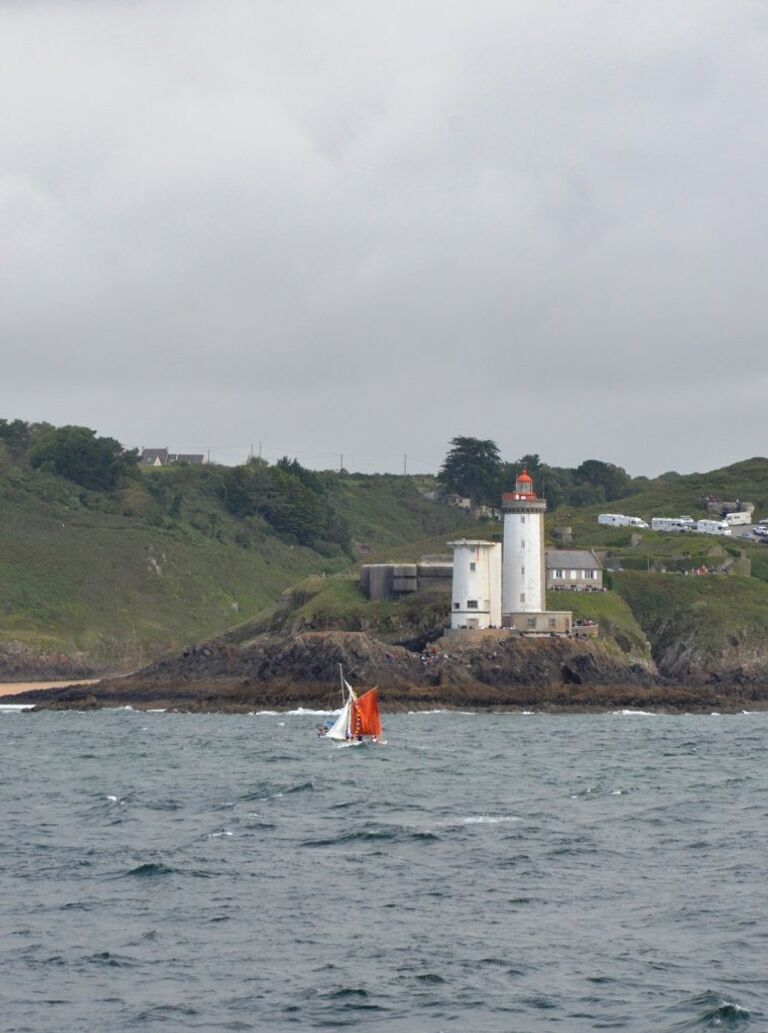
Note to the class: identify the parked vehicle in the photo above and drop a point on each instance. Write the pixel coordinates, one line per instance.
(738, 518)
(619, 520)
(712, 527)
(681, 523)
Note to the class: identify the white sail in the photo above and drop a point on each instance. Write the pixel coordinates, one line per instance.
(340, 726)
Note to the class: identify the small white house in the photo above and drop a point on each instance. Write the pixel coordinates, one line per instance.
(575, 570)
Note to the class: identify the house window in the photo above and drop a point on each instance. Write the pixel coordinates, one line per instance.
(456, 606)
(552, 622)
(473, 566)
(591, 575)
(471, 604)
(558, 575)
(531, 622)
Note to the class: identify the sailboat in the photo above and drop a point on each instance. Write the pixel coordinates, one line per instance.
(359, 720)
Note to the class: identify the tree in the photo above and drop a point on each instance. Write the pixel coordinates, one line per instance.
(614, 480)
(76, 453)
(472, 468)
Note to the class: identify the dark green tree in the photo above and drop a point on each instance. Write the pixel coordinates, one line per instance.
(614, 480)
(472, 468)
(78, 454)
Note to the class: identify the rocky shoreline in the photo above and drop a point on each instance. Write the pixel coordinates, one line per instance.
(283, 672)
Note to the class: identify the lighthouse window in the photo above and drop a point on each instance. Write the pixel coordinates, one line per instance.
(522, 519)
(456, 606)
(522, 597)
(522, 543)
(473, 566)
(522, 570)
(471, 604)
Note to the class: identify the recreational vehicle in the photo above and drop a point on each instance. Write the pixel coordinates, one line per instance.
(682, 523)
(619, 520)
(712, 527)
(736, 519)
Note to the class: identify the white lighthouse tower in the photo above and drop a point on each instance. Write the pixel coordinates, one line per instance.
(523, 587)
(476, 595)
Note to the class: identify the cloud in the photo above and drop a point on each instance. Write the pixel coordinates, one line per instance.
(367, 228)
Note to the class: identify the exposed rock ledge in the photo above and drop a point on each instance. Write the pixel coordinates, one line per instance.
(289, 671)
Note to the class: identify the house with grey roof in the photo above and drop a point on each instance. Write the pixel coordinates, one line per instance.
(163, 457)
(574, 570)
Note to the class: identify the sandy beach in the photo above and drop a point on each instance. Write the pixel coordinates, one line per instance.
(13, 688)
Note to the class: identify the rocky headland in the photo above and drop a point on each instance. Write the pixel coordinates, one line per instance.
(284, 671)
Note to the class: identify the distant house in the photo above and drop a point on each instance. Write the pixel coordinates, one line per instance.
(162, 457)
(154, 457)
(577, 570)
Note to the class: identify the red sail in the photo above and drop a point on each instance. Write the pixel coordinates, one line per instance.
(365, 715)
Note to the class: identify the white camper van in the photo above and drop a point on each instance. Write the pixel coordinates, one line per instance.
(712, 527)
(737, 519)
(681, 523)
(619, 520)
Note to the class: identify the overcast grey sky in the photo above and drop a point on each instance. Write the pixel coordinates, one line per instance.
(368, 227)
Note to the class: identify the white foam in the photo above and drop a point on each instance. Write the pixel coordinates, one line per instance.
(617, 792)
(15, 708)
(112, 799)
(220, 835)
(304, 710)
(151, 711)
(633, 713)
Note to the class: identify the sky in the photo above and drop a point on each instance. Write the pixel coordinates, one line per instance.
(360, 229)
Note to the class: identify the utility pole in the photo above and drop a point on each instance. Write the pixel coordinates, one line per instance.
(251, 455)
(405, 464)
(260, 444)
(209, 457)
(341, 462)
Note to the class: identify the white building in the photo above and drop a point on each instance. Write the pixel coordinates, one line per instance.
(476, 592)
(523, 583)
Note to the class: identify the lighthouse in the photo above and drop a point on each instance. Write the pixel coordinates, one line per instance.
(523, 582)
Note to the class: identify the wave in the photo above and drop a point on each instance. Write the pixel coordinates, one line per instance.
(272, 792)
(300, 711)
(633, 713)
(385, 833)
(149, 870)
(710, 1011)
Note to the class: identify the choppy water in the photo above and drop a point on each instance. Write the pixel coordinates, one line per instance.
(479, 873)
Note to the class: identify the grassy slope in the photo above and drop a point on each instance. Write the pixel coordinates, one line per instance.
(76, 575)
(705, 617)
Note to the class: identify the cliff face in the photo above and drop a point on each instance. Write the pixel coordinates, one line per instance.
(703, 630)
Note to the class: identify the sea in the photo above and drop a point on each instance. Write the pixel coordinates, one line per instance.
(483, 873)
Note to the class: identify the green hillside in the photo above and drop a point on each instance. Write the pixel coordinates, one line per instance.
(696, 622)
(118, 577)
